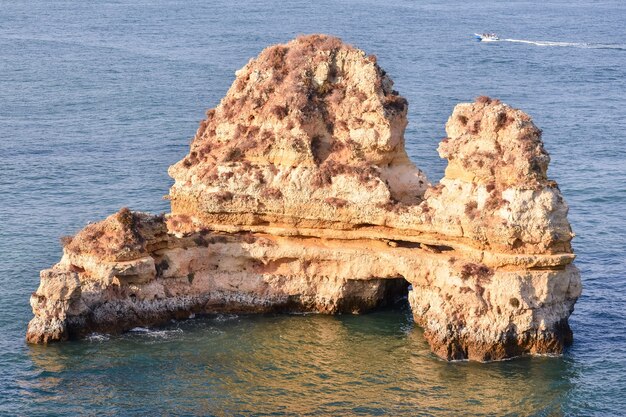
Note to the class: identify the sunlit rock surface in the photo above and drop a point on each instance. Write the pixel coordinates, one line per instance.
(297, 195)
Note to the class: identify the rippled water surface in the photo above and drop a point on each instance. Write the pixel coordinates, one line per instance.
(97, 99)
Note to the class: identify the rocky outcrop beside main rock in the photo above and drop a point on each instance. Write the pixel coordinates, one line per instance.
(297, 195)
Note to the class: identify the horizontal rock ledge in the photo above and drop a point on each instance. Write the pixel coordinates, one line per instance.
(297, 195)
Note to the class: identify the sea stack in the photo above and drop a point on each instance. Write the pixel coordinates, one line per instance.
(297, 195)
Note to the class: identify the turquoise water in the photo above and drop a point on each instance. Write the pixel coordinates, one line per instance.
(97, 99)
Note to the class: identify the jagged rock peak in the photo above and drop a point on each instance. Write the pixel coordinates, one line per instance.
(314, 103)
(490, 142)
(307, 98)
(120, 237)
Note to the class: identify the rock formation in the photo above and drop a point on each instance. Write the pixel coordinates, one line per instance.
(298, 195)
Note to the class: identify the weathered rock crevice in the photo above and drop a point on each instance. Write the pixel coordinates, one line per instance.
(297, 195)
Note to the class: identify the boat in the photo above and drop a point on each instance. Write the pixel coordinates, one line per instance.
(486, 37)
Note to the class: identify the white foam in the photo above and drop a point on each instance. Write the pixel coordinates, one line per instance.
(139, 330)
(156, 333)
(98, 337)
(164, 334)
(225, 317)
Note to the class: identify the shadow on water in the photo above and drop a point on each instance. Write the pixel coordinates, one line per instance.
(371, 364)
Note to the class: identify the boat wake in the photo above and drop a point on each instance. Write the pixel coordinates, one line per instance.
(621, 47)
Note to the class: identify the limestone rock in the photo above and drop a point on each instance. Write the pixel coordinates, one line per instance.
(297, 195)
(311, 134)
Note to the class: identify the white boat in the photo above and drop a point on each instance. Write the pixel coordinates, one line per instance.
(486, 37)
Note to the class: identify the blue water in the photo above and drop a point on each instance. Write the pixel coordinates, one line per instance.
(97, 99)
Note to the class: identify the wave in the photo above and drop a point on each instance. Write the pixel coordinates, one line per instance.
(586, 45)
(225, 317)
(158, 333)
(98, 337)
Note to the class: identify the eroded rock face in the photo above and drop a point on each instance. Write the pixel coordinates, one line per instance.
(298, 195)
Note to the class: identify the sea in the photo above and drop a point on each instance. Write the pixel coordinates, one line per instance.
(98, 98)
